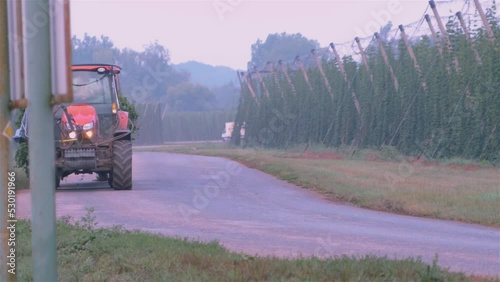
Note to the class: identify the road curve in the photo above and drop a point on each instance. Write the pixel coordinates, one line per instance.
(208, 198)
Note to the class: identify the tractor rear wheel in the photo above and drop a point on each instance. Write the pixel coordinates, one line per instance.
(121, 176)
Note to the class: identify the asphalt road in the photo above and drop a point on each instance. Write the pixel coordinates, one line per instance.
(207, 198)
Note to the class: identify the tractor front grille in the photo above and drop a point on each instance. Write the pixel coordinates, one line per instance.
(80, 159)
(79, 153)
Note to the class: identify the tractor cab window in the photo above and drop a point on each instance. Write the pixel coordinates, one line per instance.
(91, 87)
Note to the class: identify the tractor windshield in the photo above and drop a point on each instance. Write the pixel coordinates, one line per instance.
(91, 87)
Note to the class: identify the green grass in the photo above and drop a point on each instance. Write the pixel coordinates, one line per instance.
(86, 253)
(377, 180)
(22, 180)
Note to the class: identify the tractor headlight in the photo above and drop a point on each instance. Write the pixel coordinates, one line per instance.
(89, 134)
(72, 135)
(88, 126)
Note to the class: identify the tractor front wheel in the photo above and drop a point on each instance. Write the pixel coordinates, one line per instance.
(121, 176)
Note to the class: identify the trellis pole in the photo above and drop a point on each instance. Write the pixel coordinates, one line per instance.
(386, 60)
(363, 56)
(434, 35)
(261, 81)
(486, 24)
(446, 39)
(344, 75)
(414, 59)
(322, 72)
(306, 77)
(469, 39)
(287, 77)
(245, 79)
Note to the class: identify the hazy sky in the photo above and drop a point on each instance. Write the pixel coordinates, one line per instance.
(220, 32)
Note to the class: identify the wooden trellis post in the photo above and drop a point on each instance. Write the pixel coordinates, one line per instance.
(239, 78)
(245, 79)
(386, 60)
(446, 39)
(306, 77)
(344, 75)
(469, 39)
(276, 79)
(434, 35)
(412, 55)
(322, 72)
(287, 77)
(261, 81)
(363, 56)
(486, 24)
(436, 40)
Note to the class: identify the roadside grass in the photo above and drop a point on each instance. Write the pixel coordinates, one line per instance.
(87, 253)
(386, 182)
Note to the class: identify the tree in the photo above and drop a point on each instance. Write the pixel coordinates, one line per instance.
(147, 75)
(91, 49)
(190, 97)
(280, 47)
(227, 96)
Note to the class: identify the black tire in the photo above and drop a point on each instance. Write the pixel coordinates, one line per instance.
(121, 176)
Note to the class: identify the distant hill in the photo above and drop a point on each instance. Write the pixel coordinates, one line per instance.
(209, 75)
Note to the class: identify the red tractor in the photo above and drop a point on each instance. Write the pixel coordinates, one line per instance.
(92, 134)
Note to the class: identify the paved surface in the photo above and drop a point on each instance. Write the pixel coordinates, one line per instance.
(206, 198)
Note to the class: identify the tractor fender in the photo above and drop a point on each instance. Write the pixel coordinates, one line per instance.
(122, 120)
(122, 135)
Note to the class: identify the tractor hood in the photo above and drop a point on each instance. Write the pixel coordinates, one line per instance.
(82, 114)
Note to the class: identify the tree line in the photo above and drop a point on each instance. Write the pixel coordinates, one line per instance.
(148, 76)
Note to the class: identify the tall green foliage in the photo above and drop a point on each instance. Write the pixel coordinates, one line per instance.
(457, 114)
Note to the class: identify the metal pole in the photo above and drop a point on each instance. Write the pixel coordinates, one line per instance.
(4, 142)
(485, 21)
(41, 144)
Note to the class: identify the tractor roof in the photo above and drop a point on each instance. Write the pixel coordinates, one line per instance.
(94, 67)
